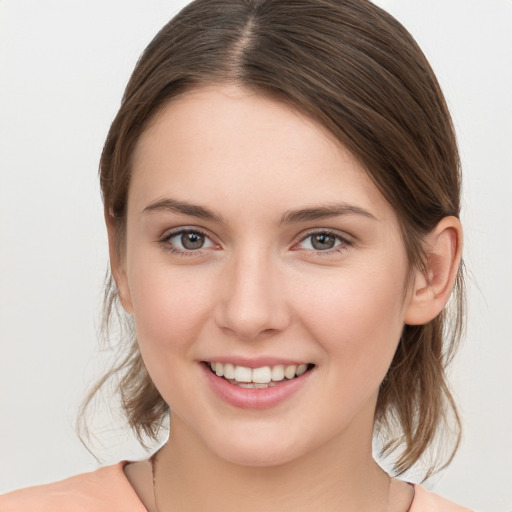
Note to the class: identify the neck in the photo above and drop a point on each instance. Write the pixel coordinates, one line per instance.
(336, 476)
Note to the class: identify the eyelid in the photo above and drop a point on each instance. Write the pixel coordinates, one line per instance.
(169, 234)
(345, 239)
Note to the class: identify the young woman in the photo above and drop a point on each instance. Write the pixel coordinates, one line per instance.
(282, 192)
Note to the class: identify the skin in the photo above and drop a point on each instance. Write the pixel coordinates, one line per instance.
(259, 288)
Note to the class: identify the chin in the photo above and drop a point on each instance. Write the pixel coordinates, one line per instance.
(258, 456)
(257, 448)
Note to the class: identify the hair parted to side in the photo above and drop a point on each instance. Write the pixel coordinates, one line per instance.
(357, 71)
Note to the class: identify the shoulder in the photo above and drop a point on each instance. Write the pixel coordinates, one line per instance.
(426, 501)
(103, 490)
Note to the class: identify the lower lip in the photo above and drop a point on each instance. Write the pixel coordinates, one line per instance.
(253, 398)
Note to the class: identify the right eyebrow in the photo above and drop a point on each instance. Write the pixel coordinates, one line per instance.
(183, 207)
(323, 212)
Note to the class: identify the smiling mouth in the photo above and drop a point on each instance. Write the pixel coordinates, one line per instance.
(258, 378)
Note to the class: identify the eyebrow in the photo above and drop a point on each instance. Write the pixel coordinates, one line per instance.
(289, 217)
(323, 212)
(175, 206)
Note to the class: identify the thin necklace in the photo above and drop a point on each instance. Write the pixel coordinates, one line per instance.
(153, 471)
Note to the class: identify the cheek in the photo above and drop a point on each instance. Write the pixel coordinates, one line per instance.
(169, 310)
(169, 304)
(358, 326)
(357, 315)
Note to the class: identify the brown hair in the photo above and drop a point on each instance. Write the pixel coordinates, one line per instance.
(353, 68)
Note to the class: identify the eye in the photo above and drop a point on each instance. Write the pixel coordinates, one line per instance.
(188, 240)
(323, 241)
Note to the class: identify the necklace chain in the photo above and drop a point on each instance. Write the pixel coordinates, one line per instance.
(153, 472)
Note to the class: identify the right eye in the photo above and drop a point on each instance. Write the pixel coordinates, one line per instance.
(188, 241)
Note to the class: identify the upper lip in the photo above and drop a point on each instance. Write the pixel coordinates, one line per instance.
(255, 362)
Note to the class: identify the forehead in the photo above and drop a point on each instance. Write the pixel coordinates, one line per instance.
(218, 142)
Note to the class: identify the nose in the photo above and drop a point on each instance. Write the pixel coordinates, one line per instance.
(253, 302)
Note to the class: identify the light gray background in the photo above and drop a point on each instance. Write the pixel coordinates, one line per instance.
(63, 68)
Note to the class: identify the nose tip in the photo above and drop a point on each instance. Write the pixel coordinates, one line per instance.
(249, 320)
(253, 304)
(248, 329)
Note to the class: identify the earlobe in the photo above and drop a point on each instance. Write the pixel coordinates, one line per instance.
(431, 290)
(116, 262)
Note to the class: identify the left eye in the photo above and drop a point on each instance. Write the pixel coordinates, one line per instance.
(189, 240)
(322, 241)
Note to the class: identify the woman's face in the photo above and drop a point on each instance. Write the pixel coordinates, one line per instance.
(257, 243)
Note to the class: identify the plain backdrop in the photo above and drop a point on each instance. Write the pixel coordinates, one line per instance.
(63, 68)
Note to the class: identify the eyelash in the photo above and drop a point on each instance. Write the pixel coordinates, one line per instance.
(166, 241)
(344, 244)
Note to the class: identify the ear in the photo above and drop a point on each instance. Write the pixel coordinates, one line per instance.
(117, 261)
(430, 293)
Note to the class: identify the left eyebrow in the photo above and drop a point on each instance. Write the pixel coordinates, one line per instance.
(323, 212)
(183, 207)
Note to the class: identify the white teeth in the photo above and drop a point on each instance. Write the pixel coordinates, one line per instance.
(219, 369)
(253, 385)
(289, 371)
(229, 371)
(301, 369)
(262, 377)
(243, 374)
(278, 373)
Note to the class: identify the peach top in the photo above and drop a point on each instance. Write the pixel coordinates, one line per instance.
(108, 490)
